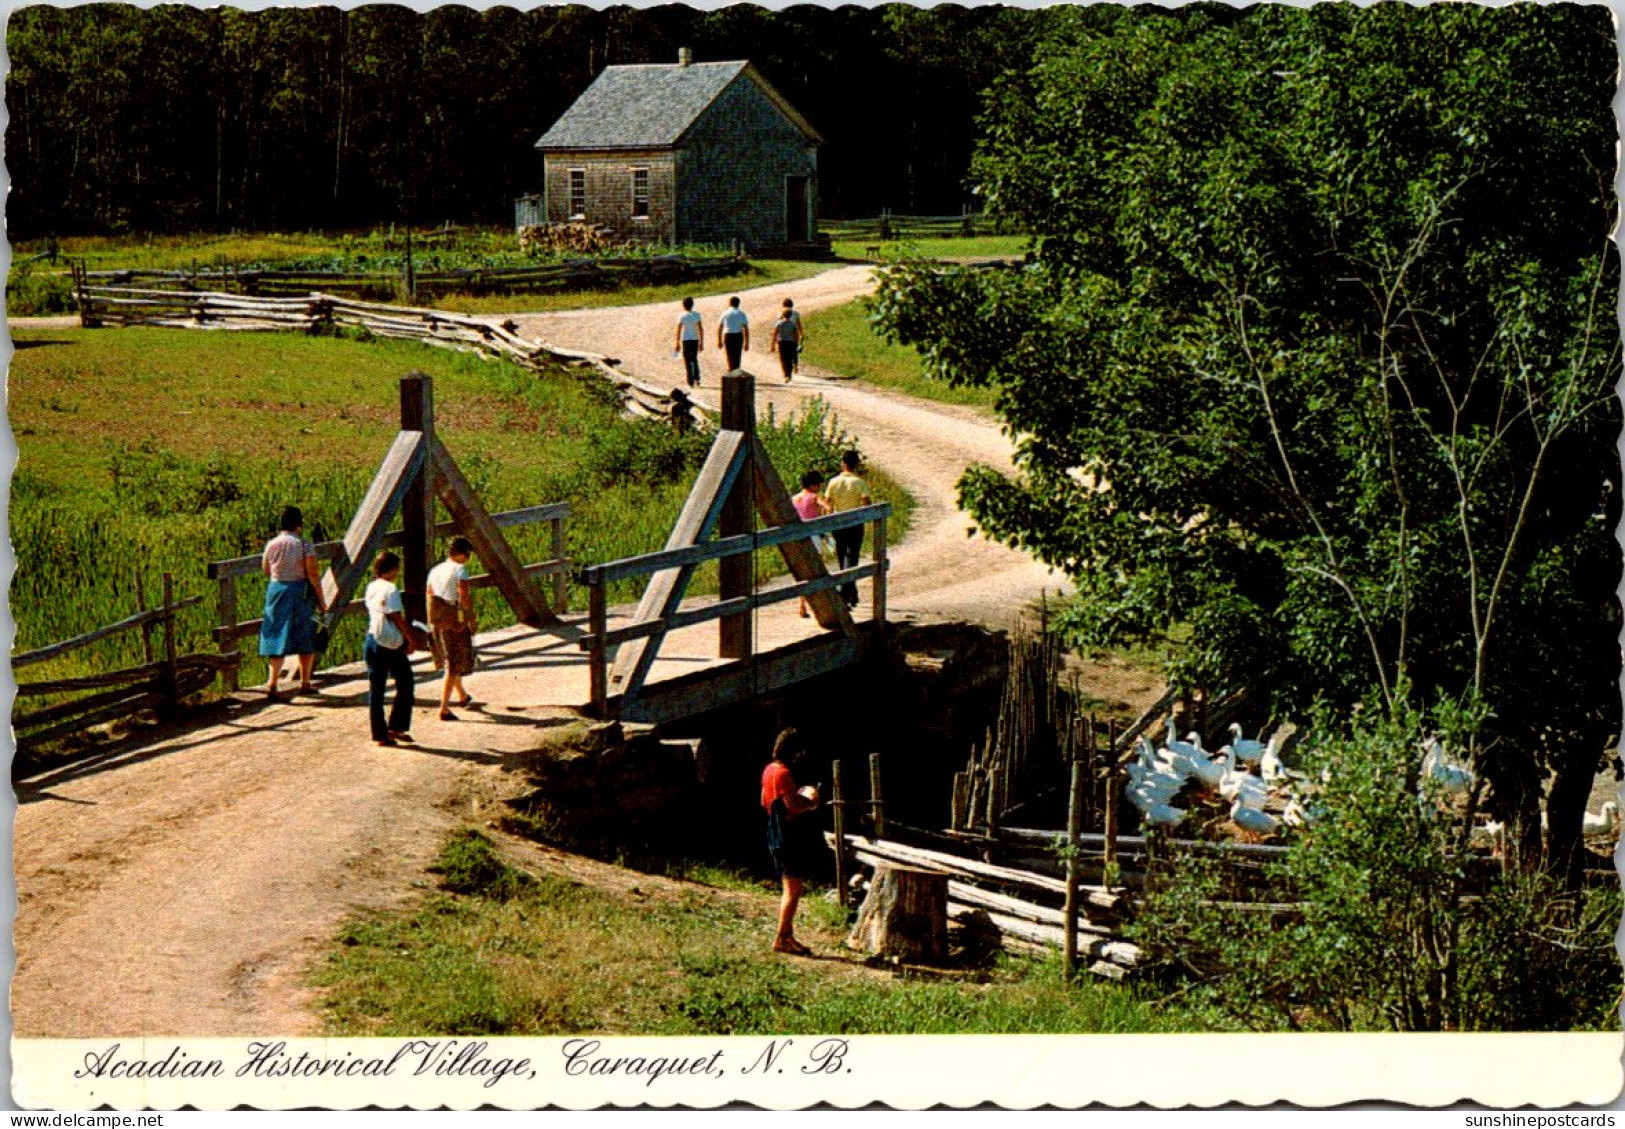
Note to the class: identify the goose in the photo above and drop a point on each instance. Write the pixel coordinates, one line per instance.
(1164, 815)
(1601, 823)
(1247, 750)
(1296, 815)
(1437, 767)
(1270, 766)
(1253, 819)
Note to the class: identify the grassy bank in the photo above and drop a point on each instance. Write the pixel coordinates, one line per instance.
(840, 339)
(502, 953)
(143, 451)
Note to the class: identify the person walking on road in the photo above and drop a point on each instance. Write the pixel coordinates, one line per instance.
(810, 505)
(387, 650)
(690, 341)
(846, 491)
(733, 333)
(451, 618)
(786, 340)
(293, 600)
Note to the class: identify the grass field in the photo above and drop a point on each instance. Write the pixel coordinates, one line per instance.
(842, 340)
(160, 450)
(36, 288)
(509, 954)
(960, 247)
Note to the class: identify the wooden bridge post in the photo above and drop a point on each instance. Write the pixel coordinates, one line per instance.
(598, 660)
(738, 512)
(227, 608)
(877, 587)
(417, 506)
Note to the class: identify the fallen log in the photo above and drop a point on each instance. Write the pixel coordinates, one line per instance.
(1118, 952)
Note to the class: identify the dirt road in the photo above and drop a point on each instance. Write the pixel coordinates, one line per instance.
(938, 572)
(184, 883)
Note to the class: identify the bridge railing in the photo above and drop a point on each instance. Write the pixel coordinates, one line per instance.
(230, 630)
(599, 639)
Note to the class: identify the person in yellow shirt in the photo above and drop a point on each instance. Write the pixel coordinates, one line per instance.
(846, 491)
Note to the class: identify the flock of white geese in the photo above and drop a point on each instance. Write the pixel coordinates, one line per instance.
(1157, 776)
(1260, 803)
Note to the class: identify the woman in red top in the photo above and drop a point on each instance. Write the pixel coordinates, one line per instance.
(792, 838)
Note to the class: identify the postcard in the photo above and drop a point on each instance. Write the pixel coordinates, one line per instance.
(663, 557)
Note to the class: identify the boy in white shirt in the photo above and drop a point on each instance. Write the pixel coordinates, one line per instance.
(451, 618)
(390, 643)
(690, 341)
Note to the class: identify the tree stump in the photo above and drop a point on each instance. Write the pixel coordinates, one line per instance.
(905, 915)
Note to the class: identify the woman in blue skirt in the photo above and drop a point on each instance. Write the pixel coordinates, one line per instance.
(293, 599)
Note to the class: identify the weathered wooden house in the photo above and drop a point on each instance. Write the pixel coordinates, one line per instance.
(684, 153)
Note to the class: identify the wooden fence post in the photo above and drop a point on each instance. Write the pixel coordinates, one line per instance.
(227, 609)
(877, 589)
(597, 661)
(838, 806)
(171, 677)
(1074, 824)
(876, 803)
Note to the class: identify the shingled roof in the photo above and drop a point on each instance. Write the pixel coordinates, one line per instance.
(651, 105)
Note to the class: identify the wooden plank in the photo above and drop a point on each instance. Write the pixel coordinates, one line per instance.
(627, 567)
(1015, 907)
(717, 610)
(495, 553)
(690, 695)
(112, 712)
(1121, 953)
(735, 574)
(665, 589)
(401, 464)
(156, 615)
(1096, 896)
(1040, 838)
(62, 710)
(801, 557)
(333, 550)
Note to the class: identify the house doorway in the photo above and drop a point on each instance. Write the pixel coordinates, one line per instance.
(795, 209)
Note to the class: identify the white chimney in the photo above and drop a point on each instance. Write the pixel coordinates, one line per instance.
(684, 56)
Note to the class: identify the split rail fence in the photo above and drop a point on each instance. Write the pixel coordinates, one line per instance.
(322, 313)
(158, 683)
(574, 274)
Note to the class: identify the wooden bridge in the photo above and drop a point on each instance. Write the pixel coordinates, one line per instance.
(657, 662)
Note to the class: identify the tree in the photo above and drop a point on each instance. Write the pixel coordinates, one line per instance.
(1317, 355)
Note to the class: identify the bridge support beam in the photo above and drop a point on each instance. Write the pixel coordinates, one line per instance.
(738, 515)
(417, 505)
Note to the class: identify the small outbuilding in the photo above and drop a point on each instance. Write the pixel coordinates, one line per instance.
(684, 153)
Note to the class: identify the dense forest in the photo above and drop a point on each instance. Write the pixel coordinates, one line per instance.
(181, 118)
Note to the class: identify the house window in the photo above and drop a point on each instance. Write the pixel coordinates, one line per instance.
(578, 193)
(640, 194)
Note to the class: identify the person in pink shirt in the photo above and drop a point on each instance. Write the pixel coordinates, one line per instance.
(810, 503)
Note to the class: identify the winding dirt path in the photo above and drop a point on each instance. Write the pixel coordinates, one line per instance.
(938, 572)
(182, 882)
